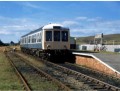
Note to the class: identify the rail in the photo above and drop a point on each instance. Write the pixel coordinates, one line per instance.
(97, 83)
(60, 84)
(23, 80)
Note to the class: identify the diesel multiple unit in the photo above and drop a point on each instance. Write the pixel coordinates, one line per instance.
(49, 42)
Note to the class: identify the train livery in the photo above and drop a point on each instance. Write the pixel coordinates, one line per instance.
(51, 42)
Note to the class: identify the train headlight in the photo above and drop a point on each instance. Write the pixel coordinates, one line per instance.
(48, 46)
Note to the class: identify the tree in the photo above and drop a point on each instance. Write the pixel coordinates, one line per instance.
(1, 43)
(12, 43)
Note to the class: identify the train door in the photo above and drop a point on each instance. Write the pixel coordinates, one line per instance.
(57, 39)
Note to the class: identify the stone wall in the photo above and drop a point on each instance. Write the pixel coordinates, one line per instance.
(95, 64)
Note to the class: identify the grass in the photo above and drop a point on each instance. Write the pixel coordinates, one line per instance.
(106, 38)
(32, 60)
(8, 78)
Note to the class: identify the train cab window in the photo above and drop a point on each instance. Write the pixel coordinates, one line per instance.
(48, 35)
(64, 35)
(56, 35)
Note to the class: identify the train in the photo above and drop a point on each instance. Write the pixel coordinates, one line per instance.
(50, 42)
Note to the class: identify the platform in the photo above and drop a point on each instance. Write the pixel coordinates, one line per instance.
(111, 61)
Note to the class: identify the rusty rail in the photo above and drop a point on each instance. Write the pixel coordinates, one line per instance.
(23, 80)
(60, 84)
(94, 73)
(97, 84)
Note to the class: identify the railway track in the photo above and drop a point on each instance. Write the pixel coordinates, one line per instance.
(75, 80)
(66, 79)
(93, 84)
(20, 76)
(22, 67)
(93, 73)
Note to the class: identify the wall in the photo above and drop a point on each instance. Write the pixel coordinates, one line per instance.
(111, 48)
(95, 64)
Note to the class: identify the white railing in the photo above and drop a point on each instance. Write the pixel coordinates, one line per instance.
(111, 48)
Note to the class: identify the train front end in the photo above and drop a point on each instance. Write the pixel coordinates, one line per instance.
(56, 42)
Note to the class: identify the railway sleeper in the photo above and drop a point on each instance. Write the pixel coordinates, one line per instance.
(102, 89)
(113, 89)
(96, 87)
(99, 83)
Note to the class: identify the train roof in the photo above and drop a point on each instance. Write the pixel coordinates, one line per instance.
(54, 26)
(39, 29)
(49, 26)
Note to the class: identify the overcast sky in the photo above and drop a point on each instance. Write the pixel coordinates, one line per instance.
(83, 18)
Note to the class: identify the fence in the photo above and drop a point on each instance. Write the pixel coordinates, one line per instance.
(111, 48)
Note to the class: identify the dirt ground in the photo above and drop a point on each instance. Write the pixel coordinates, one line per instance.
(8, 48)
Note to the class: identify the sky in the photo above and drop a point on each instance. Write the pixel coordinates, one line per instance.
(83, 18)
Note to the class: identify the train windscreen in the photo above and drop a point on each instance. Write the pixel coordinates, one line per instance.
(64, 35)
(48, 35)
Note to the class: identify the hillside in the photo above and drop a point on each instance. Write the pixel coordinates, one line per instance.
(107, 39)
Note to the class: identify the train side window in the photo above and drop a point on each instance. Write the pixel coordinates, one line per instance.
(32, 39)
(25, 39)
(56, 35)
(29, 39)
(35, 38)
(64, 35)
(22, 41)
(48, 35)
(39, 37)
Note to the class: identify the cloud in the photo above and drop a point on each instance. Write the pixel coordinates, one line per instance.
(79, 26)
(30, 5)
(16, 25)
(92, 26)
(4, 32)
(11, 29)
(81, 18)
(94, 19)
(69, 23)
(88, 19)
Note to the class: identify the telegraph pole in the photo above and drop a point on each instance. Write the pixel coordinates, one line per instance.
(101, 38)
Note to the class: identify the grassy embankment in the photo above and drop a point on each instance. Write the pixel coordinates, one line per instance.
(109, 39)
(8, 78)
(11, 81)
